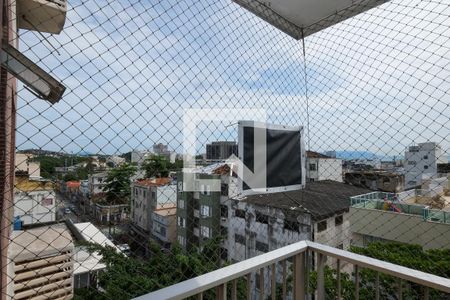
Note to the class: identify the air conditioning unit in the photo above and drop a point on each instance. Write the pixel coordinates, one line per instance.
(42, 15)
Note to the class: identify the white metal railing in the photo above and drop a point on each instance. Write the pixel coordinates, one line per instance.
(218, 279)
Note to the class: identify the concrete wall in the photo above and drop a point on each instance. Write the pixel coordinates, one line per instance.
(330, 169)
(398, 227)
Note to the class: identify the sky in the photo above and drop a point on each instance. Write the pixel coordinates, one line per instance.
(378, 82)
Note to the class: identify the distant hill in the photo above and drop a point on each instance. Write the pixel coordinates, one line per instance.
(41, 152)
(356, 155)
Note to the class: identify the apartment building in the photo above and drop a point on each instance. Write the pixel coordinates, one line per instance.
(34, 201)
(421, 161)
(149, 196)
(97, 182)
(25, 166)
(407, 218)
(164, 228)
(323, 167)
(199, 213)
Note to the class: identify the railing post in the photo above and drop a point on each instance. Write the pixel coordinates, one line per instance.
(321, 276)
(299, 276)
(338, 279)
(261, 283)
(426, 293)
(221, 292)
(249, 286)
(234, 290)
(274, 282)
(284, 279)
(377, 287)
(400, 289)
(356, 282)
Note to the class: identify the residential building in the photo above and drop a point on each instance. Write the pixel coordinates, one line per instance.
(109, 214)
(148, 196)
(261, 223)
(422, 161)
(164, 228)
(139, 156)
(41, 263)
(323, 167)
(34, 201)
(201, 209)
(25, 166)
(163, 150)
(221, 150)
(115, 160)
(408, 218)
(96, 183)
(376, 180)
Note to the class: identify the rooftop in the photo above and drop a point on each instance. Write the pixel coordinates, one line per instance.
(25, 184)
(312, 154)
(166, 211)
(321, 199)
(40, 242)
(153, 181)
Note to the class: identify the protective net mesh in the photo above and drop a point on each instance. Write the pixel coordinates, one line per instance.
(100, 210)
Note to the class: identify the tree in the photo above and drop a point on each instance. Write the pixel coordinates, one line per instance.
(118, 181)
(156, 166)
(127, 277)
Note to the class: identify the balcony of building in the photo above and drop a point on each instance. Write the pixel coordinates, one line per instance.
(300, 270)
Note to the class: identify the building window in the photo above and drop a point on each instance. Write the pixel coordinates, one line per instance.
(180, 186)
(239, 213)
(312, 167)
(291, 225)
(47, 201)
(239, 239)
(411, 163)
(224, 211)
(425, 167)
(224, 189)
(181, 204)
(223, 254)
(339, 220)
(205, 211)
(340, 246)
(425, 157)
(135, 192)
(205, 231)
(321, 226)
(181, 240)
(181, 222)
(262, 247)
(261, 218)
(208, 190)
(145, 193)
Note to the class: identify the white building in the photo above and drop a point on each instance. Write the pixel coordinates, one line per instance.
(148, 196)
(139, 156)
(421, 163)
(321, 167)
(34, 201)
(97, 182)
(24, 165)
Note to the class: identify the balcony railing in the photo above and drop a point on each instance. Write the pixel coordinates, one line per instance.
(299, 252)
